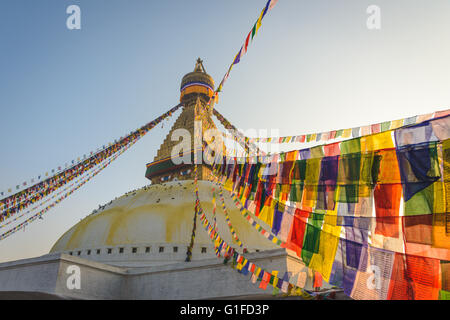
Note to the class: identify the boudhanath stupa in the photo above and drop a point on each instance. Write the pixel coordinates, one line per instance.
(136, 246)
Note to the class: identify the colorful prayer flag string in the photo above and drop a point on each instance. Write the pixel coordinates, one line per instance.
(227, 217)
(76, 183)
(11, 205)
(343, 206)
(215, 96)
(194, 228)
(47, 208)
(245, 213)
(351, 132)
(240, 263)
(243, 50)
(56, 172)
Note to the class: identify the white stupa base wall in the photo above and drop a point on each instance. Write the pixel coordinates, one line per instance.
(46, 277)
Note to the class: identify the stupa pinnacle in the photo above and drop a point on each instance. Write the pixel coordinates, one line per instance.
(196, 89)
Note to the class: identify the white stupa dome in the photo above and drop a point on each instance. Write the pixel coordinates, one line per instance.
(153, 226)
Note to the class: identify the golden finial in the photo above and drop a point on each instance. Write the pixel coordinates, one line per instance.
(199, 66)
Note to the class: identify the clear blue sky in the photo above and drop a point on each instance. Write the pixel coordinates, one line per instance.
(313, 66)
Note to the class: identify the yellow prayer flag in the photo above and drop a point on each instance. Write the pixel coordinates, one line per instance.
(228, 185)
(275, 281)
(396, 124)
(260, 173)
(346, 133)
(266, 214)
(377, 141)
(322, 261)
(258, 24)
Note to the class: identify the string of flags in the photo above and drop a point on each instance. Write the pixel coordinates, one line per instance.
(355, 132)
(375, 200)
(18, 217)
(15, 205)
(17, 202)
(220, 246)
(75, 184)
(316, 277)
(352, 132)
(243, 50)
(243, 265)
(194, 229)
(214, 205)
(52, 205)
(54, 172)
(299, 278)
(57, 174)
(227, 219)
(245, 213)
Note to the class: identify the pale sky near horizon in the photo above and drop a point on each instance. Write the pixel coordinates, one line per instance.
(314, 66)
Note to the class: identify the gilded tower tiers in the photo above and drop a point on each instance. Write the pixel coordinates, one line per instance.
(196, 89)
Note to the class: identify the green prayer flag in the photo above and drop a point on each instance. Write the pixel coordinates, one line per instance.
(254, 30)
(351, 146)
(421, 203)
(296, 192)
(444, 295)
(385, 126)
(275, 291)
